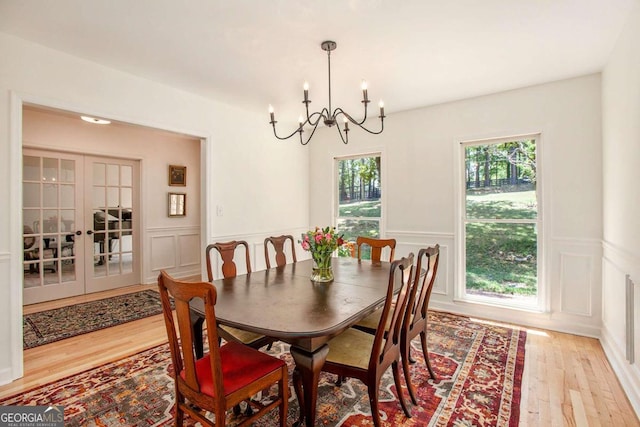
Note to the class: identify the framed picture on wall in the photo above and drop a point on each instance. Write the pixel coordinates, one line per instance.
(177, 175)
(177, 204)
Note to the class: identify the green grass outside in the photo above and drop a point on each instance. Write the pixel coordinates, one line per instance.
(501, 257)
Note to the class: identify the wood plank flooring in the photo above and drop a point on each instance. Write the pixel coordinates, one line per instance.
(567, 379)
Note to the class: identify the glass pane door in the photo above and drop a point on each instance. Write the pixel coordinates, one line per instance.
(111, 215)
(51, 226)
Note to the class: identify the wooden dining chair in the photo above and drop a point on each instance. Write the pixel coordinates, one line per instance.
(278, 244)
(227, 251)
(229, 268)
(416, 315)
(227, 374)
(376, 246)
(357, 354)
(370, 323)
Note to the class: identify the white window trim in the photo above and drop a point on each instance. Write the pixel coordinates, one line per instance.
(543, 297)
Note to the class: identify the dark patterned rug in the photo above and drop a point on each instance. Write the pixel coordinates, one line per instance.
(479, 368)
(65, 322)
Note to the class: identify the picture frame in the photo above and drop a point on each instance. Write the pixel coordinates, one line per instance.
(177, 176)
(177, 204)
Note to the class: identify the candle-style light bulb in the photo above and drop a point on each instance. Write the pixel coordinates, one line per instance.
(381, 105)
(346, 123)
(364, 87)
(300, 121)
(271, 114)
(305, 87)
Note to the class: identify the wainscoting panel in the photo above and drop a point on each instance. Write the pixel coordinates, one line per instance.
(614, 303)
(576, 284)
(621, 317)
(189, 249)
(163, 252)
(177, 250)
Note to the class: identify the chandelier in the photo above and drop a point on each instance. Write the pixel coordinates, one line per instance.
(326, 115)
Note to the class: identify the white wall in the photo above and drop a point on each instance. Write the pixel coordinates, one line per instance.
(621, 207)
(418, 177)
(256, 180)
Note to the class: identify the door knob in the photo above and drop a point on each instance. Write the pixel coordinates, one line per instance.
(89, 232)
(78, 233)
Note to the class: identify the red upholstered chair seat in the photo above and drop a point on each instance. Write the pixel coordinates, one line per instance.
(207, 387)
(241, 365)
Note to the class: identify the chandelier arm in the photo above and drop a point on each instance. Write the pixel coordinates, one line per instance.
(345, 139)
(348, 116)
(321, 114)
(282, 138)
(339, 111)
(310, 135)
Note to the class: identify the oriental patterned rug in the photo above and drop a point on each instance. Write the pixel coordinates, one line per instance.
(53, 325)
(478, 367)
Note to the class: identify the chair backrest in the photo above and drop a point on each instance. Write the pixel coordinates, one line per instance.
(28, 241)
(386, 345)
(278, 243)
(424, 274)
(182, 350)
(376, 247)
(227, 251)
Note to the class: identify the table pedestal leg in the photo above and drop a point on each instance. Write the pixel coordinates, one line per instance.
(308, 366)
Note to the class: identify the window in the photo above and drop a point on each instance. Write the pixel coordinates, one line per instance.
(500, 222)
(358, 197)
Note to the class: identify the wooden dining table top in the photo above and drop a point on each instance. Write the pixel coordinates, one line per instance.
(284, 303)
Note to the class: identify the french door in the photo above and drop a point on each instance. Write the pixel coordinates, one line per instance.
(110, 212)
(79, 224)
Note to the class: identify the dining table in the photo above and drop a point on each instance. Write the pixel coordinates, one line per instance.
(283, 303)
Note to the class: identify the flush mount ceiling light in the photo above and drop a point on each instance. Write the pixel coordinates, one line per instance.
(95, 120)
(327, 116)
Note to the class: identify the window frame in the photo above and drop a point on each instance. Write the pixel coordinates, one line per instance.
(542, 301)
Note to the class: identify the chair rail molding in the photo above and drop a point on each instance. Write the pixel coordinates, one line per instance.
(622, 259)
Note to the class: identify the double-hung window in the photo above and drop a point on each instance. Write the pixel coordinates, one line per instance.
(358, 194)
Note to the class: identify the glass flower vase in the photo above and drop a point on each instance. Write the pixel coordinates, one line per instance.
(322, 271)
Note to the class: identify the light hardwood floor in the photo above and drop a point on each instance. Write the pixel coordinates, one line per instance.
(567, 379)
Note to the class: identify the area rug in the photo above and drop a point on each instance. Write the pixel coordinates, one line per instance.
(478, 367)
(65, 322)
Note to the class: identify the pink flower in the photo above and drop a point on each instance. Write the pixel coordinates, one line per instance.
(318, 237)
(328, 237)
(305, 244)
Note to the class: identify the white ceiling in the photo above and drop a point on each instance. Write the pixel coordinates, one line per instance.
(256, 52)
